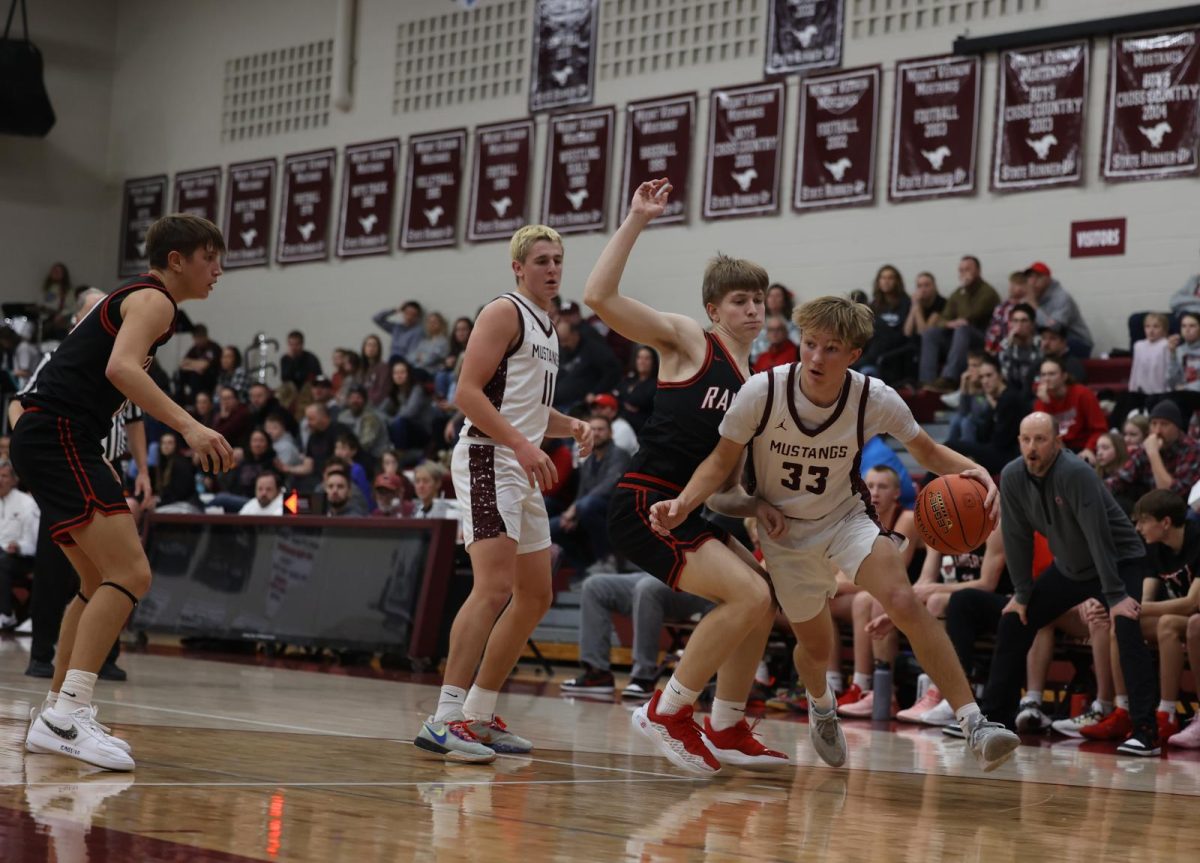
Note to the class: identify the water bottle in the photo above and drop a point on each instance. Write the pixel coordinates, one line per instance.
(881, 708)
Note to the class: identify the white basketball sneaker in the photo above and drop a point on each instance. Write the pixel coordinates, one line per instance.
(35, 712)
(77, 735)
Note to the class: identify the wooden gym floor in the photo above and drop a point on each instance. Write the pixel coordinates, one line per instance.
(242, 762)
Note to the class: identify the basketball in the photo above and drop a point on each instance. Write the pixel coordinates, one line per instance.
(950, 514)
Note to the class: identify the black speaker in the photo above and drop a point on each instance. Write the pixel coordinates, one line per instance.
(24, 104)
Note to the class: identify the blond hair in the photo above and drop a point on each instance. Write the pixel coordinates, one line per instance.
(847, 320)
(1163, 320)
(723, 275)
(522, 241)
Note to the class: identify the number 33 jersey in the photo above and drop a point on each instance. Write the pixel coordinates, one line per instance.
(805, 458)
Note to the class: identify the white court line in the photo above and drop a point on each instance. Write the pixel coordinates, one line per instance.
(488, 782)
(321, 731)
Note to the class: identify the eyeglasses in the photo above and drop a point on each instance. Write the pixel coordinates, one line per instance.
(1021, 320)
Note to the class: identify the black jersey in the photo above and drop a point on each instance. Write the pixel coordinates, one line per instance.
(684, 423)
(71, 382)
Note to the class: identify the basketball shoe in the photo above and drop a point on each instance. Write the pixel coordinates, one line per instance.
(494, 734)
(991, 742)
(851, 695)
(1074, 726)
(1116, 726)
(864, 707)
(1167, 724)
(592, 681)
(77, 735)
(1030, 718)
(1143, 742)
(452, 739)
(35, 712)
(676, 736)
(1189, 738)
(827, 738)
(942, 714)
(638, 688)
(738, 746)
(927, 702)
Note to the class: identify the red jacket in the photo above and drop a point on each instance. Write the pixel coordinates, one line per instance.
(1080, 418)
(781, 356)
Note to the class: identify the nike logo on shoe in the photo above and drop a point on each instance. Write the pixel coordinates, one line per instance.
(65, 733)
(440, 738)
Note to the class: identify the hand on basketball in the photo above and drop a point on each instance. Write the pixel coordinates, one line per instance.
(582, 432)
(992, 501)
(770, 520)
(666, 515)
(650, 199)
(212, 452)
(1016, 608)
(1127, 607)
(538, 466)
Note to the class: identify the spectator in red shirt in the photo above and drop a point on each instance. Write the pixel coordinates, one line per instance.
(780, 349)
(1075, 409)
(232, 419)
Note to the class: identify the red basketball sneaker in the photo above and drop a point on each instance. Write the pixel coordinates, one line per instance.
(738, 746)
(1116, 726)
(677, 737)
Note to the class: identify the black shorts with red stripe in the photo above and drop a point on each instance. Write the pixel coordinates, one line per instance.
(65, 471)
(632, 537)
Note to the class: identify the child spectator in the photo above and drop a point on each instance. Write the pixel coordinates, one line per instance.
(1134, 432)
(1149, 373)
(1183, 374)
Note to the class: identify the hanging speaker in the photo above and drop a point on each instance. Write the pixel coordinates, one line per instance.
(24, 104)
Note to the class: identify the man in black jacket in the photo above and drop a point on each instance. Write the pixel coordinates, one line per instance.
(585, 365)
(995, 429)
(582, 528)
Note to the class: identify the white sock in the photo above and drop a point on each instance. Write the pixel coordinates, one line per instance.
(834, 681)
(51, 700)
(675, 697)
(966, 712)
(726, 714)
(1033, 695)
(822, 703)
(480, 703)
(450, 702)
(1122, 702)
(863, 681)
(762, 674)
(1105, 707)
(1165, 706)
(76, 691)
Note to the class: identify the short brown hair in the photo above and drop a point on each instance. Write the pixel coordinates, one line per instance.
(1159, 504)
(723, 275)
(849, 321)
(181, 233)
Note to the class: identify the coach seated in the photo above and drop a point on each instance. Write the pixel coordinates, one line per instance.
(18, 539)
(1167, 458)
(582, 528)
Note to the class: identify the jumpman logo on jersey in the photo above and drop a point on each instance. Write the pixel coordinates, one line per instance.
(782, 426)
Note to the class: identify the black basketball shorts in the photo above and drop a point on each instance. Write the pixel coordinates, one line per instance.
(64, 468)
(632, 537)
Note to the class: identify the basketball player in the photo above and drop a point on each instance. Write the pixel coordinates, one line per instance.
(807, 423)
(505, 390)
(67, 411)
(699, 373)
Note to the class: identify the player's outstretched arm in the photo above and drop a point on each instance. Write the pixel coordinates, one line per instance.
(496, 330)
(145, 316)
(943, 460)
(711, 475)
(734, 500)
(635, 320)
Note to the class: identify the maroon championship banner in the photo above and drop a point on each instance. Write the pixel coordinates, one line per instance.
(143, 203)
(658, 143)
(565, 34)
(1152, 116)
(196, 193)
(1039, 118)
(500, 180)
(803, 35)
(935, 128)
(365, 203)
(304, 214)
(575, 188)
(835, 145)
(249, 192)
(745, 134)
(431, 186)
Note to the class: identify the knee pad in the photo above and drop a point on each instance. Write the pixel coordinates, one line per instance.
(116, 586)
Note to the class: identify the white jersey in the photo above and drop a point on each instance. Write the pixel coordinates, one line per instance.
(522, 389)
(806, 459)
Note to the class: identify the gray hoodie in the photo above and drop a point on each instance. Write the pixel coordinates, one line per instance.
(1056, 306)
(1187, 298)
(1183, 368)
(1070, 506)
